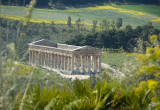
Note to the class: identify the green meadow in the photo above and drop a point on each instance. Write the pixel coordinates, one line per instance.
(150, 9)
(117, 59)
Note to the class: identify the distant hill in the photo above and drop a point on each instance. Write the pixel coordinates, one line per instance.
(134, 15)
(47, 3)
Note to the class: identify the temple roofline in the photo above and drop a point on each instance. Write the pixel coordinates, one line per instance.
(66, 47)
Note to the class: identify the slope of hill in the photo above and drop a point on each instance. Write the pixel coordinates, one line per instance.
(129, 15)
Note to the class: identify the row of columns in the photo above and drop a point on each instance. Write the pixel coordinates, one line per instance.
(73, 64)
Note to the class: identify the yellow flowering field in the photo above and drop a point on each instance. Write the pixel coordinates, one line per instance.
(24, 70)
(155, 19)
(118, 9)
(40, 20)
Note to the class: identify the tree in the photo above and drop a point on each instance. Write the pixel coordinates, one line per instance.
(69, 21)
(119, 22)
(94, 25)
(105, 24)
(53, 27)
(113, 24)
(149, 62)
(78, 23)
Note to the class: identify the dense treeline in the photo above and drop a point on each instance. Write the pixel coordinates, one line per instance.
(56, 3)
(127, 38)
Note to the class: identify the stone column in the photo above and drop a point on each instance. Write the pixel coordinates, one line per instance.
(86, 62)
(52, 60)
(49, 63)
(77, 64)
(72, 64)
(59, 61)
(95, 64)
(92, 63)
(35, 55)
(48, 60)
(42, 58)
(55, 64)
(69, 63)
(66, 62)
(62, 62)
(30, 54)
(89, 64)
(45, 61)
(32, 59)
(68, 68)
(37, 58)
(83, 64)
(100, 64)
(40, 61)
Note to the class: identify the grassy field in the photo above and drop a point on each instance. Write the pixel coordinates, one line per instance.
(134, 15)
(150, 9)
(117, 59)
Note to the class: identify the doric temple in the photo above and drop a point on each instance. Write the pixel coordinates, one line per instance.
(67, 58)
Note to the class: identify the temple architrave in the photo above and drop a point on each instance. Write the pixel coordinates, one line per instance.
(67, 58)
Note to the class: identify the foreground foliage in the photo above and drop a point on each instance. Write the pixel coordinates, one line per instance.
(105, 95)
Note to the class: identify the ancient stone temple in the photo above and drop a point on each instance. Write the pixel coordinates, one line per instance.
(67, 58)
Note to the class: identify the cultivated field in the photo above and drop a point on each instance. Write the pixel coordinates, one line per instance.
(134, 15)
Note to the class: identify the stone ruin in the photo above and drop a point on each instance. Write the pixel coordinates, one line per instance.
(67, 58)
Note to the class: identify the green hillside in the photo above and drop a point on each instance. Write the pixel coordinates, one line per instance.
(128, 13)
(150, 9)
